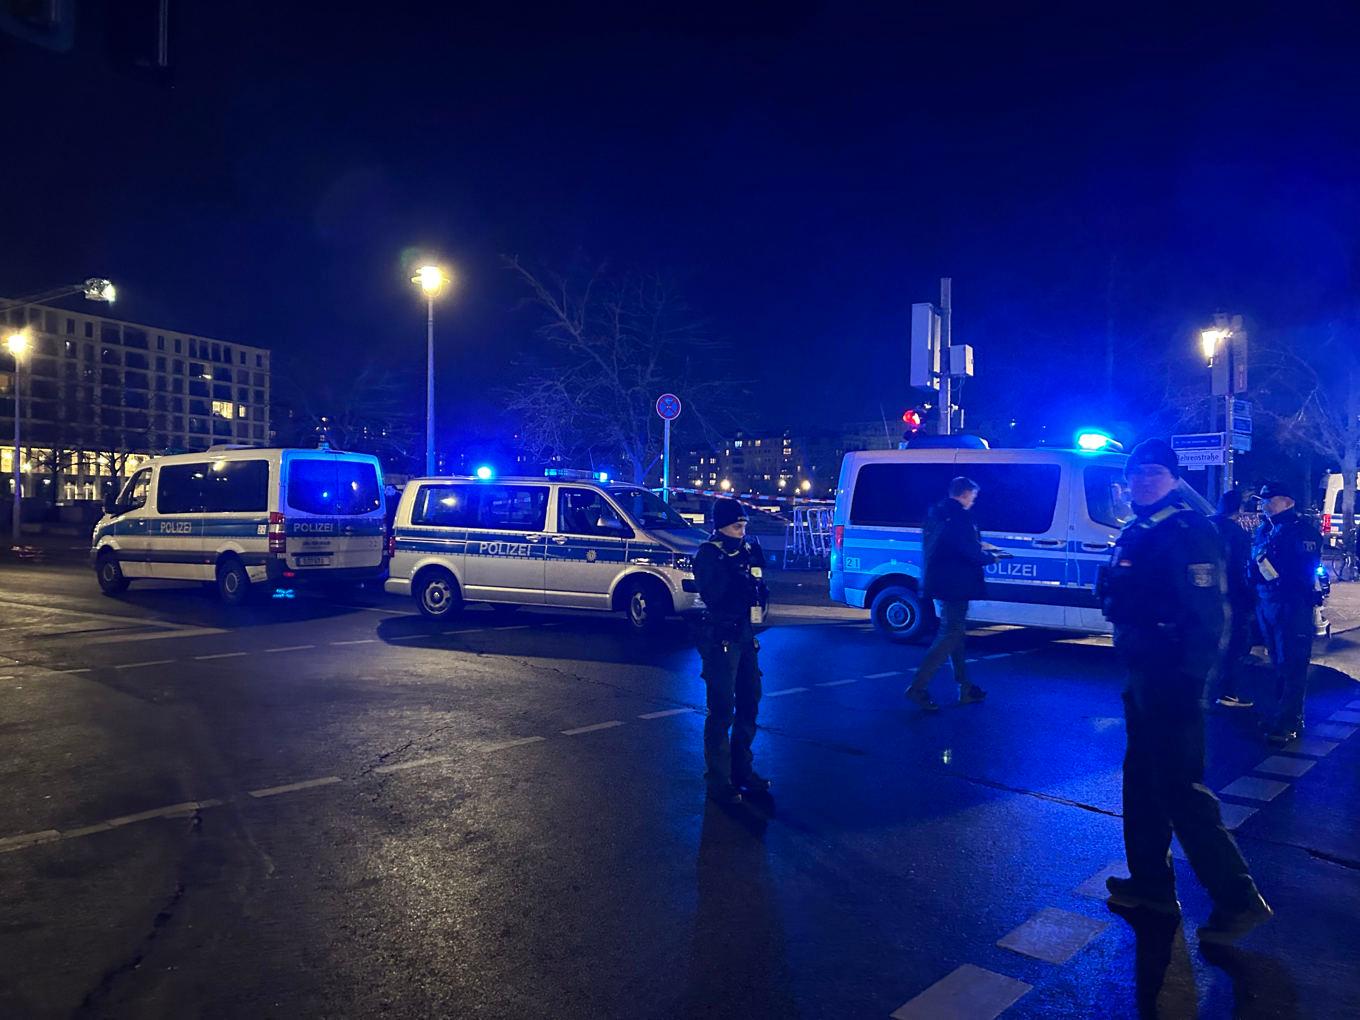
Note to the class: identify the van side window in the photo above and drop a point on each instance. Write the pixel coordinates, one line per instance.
(1107, 498)
(180, 489)
(444, 506)
(1018, 499)
(512, 507)
(898, 495)
(586, 512)
(236, 486)
(134, 497)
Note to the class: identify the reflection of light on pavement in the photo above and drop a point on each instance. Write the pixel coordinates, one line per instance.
(285, 593)
(946, 756)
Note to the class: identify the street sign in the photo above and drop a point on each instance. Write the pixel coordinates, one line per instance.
(1241, 443)
(1198, 441)
(668, 406)
(1241, 425)
(1241, 408)
(1198, 458)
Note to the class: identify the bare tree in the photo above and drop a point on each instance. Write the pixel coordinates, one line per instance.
(615, 343)
(367, 409)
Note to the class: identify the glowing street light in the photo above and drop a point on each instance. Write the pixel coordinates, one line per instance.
(432, 281)
(18, 343)
(806, 485)
(1209, 339)
(725, 485)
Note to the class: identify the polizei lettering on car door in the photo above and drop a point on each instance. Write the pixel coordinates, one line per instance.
(504, 549)
(1013, 568)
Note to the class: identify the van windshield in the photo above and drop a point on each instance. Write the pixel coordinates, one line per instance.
(333, 486)
(648, 510)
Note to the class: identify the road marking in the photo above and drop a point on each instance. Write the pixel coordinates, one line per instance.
(88, 830)
(968, 993)
(591, 729)
(820, 612)
(289, 648)
(1344, 716)
(1332, 731)
(139, 665)
(1279, 765)
(187, 808)
(514, 626)
(86, 669)
(880, 676)
(414, 763)
(1052, 935)
(182, 632)
(995, 655)
(839, 683)
(360, 641)
(1095, 888)
(669, 711)
(375, 609)
(786, 690)
(28, 839)
(1312, 747)
(221, 655)
(503, 745)
(1252, 788)
(274, 791)
(1235, 814)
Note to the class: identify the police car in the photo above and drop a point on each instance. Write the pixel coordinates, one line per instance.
(1056, 512)
(243, 516)
(567, 539)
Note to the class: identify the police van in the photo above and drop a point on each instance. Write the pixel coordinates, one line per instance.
(567, 539)
(242, 516)
(1056, 512)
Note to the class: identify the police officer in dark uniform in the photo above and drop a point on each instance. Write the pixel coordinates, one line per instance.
(1164, 592)
(1285, 555)
(728, 571)
(1236, 545)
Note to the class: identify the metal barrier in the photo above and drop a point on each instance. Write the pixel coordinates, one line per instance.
(807, 537)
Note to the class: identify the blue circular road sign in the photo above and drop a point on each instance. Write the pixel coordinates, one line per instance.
(668, 406)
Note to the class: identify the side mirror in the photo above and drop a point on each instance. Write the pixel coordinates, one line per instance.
(111, 503)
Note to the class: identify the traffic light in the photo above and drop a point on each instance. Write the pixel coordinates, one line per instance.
(912, 419)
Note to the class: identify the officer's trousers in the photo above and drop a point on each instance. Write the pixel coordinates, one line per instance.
(1164, 792)
(948, 644)
(1229, 681)
(732, 677)
(1287, 628)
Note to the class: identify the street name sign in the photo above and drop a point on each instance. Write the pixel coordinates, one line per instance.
(1198, 441)
(1198, 458)
(1241, 443)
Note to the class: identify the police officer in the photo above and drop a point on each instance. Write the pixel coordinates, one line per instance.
(728, 570)
(1236, 546)
(1285, 555)
(1164, 592)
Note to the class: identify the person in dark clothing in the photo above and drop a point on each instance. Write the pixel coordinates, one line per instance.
(1236, 545)
(1165, 593)
(728, 571)
(1284, 562)
(954, 559)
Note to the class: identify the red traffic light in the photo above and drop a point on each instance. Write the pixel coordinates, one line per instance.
(911, 418)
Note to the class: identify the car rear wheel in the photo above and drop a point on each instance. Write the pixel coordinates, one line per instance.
(436, 593)
(111, 578)
(646, 604)
(233, 583)
(900, 614)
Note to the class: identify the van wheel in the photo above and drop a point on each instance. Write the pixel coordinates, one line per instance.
(646, 604)
(437, 594)
(110, 574)
(900, 614)
(233, 583)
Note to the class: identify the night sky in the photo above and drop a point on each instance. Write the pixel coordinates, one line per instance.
(804, 173)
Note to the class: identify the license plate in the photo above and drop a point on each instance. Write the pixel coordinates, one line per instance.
(312, 561)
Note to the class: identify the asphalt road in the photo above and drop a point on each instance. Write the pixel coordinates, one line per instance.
(309, 808)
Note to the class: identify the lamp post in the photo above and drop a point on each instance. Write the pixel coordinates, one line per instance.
(18, 345)
(432, 280)
(1214, 346)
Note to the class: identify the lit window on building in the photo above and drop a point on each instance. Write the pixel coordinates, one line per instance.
(224, 409)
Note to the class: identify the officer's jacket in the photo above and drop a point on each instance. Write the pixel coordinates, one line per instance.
(1284, 558)
(1164, 591)
(726, 583)
(954, 555)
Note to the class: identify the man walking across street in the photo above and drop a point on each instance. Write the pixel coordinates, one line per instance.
(728, 571)
(1165, 593)
(954, 559)
(1236, 545)
(1285, 555)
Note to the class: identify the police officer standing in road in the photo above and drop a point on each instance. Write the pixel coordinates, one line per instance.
(1236, 546)
(1285, 556)
(728, 570)
(1164, 592)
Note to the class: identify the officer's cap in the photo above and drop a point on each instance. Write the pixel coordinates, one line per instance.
(727, 511)
(1272, 489)
(1154, 451)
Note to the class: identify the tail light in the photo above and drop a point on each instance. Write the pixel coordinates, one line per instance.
(276, 532)
(838, 533)
(390, 545)
(1326, 523)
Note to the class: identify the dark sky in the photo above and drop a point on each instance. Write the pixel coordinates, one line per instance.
(806, 171)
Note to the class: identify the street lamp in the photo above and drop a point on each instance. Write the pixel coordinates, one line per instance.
(1209, 339)
(18, 344)
(432, 280)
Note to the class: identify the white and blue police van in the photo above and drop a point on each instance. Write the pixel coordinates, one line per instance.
(567, 539)
(243, 517)
(1056, 512)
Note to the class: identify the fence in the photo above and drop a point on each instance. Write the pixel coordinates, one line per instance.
(807, 537)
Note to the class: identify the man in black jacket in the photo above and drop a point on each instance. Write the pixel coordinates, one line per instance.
(728, 571)
(954, 559)
(1236, 544)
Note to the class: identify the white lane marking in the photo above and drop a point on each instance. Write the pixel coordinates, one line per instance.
(87, 830)
(221, 655)
(86, 669)
(28, 839)
(1331, 731)
(839, 683)
(1279, 765)
(820, 612)
(139, 665)
(513, 626)
(375, 609)
(1095, 888)
(1344, 716)
(786, 690)
(1252, 788)
(968, 993)
(669, 711)
(187, 808)
(994, 655)
(414, 763)
(503, 745)
(360, 641)
(1052, 935)
(289, 648)
(274, 791)
(1312, 747)
(880, 676)
(1235, 814)
(591, 729)
(182, 632)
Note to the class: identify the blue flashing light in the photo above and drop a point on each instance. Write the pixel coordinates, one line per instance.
(602, 476)
(485, 473)
(1322, 570)
(1094, 441)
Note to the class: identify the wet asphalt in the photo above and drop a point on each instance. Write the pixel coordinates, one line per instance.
(313, 807)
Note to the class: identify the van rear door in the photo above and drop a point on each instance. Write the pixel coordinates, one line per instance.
(333, 506)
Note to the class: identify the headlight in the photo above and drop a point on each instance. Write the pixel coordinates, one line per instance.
(684, 564)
